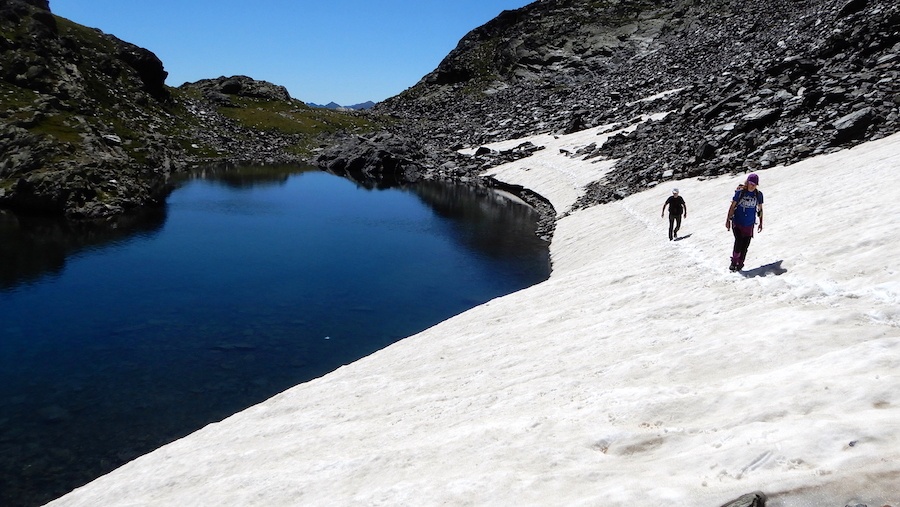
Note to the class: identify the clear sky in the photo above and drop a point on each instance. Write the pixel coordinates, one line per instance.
(346, 51)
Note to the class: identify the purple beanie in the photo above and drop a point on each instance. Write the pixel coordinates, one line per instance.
(753, 178)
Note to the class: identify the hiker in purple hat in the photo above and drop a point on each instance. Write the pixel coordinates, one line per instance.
(746, 205)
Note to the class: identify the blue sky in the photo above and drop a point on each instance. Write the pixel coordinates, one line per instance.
(346, 51)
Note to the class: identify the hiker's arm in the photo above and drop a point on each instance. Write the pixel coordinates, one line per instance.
(663, 212)
(759, 206)
(730, 214)
(685, 208)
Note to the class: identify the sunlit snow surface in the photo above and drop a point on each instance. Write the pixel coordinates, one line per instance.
(642, 373)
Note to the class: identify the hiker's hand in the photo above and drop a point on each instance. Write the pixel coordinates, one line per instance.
(727, 224)
(760, 227)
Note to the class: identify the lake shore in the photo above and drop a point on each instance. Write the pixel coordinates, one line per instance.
(641, 373)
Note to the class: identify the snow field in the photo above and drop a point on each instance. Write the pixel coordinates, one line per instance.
(641, 373)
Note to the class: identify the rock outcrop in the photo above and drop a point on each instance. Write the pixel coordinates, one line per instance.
(221, 90)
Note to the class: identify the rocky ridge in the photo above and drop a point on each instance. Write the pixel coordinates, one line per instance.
(746, 84)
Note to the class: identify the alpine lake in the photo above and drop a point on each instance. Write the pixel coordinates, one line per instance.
(116, 339)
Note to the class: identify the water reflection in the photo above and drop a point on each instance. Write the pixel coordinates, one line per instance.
(32, 247)
(491, 222)
(251, 280)
(246, 176)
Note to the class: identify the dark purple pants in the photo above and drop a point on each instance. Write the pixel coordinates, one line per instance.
(742, 236)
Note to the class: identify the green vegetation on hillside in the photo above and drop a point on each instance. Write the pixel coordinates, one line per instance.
(291, 118)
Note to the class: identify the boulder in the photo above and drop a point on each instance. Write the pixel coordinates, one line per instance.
(853, 125)
(148, 66)
(759, 118)
(755, 499)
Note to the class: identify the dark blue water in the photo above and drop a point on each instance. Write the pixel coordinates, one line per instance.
(121, 338)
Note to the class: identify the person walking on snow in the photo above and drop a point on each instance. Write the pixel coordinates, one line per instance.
(677, 206)
(746, 205)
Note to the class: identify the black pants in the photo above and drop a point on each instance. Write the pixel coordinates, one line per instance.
(674, 221)
(742, 237)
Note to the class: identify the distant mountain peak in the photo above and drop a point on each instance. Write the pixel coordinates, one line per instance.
(334, 105)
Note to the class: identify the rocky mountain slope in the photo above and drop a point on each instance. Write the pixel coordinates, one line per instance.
(747, 84)
(89, 129)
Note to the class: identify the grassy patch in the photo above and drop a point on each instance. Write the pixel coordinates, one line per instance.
(86, 37)
(57, 127)
(15, 97)
(291, 117)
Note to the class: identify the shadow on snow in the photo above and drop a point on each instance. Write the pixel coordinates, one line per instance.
(769, 269)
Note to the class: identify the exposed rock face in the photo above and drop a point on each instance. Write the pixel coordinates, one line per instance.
(751, 84)
(218, 90)
(148, 67)
(381, 160)
(82, 131)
